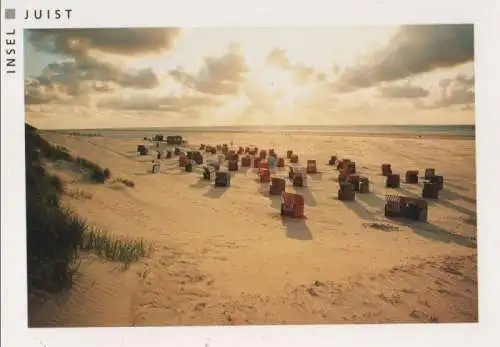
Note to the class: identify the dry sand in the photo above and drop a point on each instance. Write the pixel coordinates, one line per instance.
(226, 257)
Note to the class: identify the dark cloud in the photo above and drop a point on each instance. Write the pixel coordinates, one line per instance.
(37, 93)
(86, 74)
(219, 75)
(126, 41)
(404, 91)
(414, 49)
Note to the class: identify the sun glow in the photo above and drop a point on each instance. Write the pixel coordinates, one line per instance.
(279, 87)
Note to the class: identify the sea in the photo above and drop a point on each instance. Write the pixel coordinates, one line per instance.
(417, 130)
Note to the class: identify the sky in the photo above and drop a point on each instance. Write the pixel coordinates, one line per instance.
(146, 77)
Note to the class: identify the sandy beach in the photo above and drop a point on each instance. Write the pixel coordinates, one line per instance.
(226, 257)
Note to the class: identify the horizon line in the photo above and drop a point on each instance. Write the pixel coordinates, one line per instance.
(259, 125)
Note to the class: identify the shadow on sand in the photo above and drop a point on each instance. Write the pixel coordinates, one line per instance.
(317, 176)
(450, 195)
(436, 233)
(296, 229)
(442, 201)
(275, 199)
(308, 196)
(216, 192)
(359, 209)
(371, 200)
(455, 186)
(201, 183)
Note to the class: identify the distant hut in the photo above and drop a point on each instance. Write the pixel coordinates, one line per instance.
(175, 140)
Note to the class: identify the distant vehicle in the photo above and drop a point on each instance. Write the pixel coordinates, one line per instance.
(158, 138)
(175, 140)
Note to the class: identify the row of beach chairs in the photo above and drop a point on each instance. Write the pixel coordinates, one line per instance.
(292, 203)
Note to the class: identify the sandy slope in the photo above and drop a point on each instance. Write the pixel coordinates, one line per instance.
(226, 257)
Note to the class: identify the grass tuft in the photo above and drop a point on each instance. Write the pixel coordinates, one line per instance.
(111, 247)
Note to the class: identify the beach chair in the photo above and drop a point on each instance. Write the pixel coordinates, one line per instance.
(289, 154)
(232, 165)
(246, 161)
(142, 150)
(411, 177)
(222, 179)
(429, 173)
(263, 165)
(346, 192)
(214, 164)
(430, 190)
(299, 178)
(364, 185)
(271, 162)
(292, 205)
(343, 163)
(393, 206)
(208, 173)
(294, 159)
(439, 180)
(277, 186)
(264, 175)
(393, 181)
(311, 167)
(182, 160)
(197, 157)
(232, 155)
(333, 160)
(415, 209)
(351, 167)
(386, 169)
(281, 162)
(256, 162)
(354, 180)
(156, 166)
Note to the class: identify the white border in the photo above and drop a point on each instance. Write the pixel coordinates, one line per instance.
(257, 12)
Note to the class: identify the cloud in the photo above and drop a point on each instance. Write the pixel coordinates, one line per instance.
(124, 41)
(457, 91)
(87, 75)
(302, 74)
(187, 104)
(413, 50)
(402, 91)
(219, 75)
(278, 58)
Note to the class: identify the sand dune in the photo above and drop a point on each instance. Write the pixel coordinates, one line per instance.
(226, 257)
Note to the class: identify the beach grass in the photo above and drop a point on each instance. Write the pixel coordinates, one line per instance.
(114, 248)
(55, 234)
